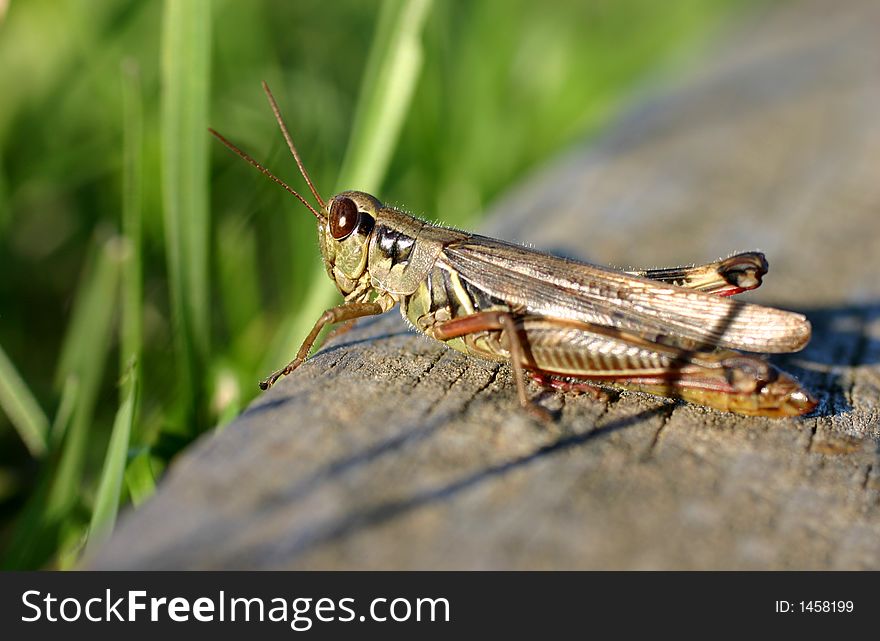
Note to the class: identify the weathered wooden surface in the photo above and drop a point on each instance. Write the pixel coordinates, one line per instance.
(389, 451)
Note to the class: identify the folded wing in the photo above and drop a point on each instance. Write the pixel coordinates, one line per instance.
(552, 286)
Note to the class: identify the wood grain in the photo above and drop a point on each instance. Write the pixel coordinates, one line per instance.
(389, 451)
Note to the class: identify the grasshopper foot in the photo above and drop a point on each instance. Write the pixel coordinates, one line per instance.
(269, 381)
(542, 414)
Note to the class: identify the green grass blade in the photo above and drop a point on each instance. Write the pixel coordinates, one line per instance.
(64, 413)
(72, 537)
(238, 275)
(83, 357)
(184, 112)
(130, 340)
(392, 70)
(140, 478)
(22, 408)
(34, 538)
(113, 472)
(131, 327)
(140, 484)
(393, 67)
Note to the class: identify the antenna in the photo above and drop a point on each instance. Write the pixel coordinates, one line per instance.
(289, 140)
(266, 172)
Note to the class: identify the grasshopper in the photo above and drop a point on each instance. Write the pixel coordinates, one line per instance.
(569, 324)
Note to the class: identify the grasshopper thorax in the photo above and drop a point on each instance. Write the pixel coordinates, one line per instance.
(344, 235)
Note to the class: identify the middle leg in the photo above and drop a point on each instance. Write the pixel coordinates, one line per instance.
(510, 340)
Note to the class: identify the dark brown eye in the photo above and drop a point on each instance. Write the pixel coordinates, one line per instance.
(343, 218)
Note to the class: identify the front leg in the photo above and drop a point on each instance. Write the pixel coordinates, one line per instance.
(344, 312)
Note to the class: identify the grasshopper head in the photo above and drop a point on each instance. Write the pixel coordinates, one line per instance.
(344, 234)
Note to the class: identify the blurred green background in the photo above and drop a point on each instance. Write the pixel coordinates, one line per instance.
(149, 279)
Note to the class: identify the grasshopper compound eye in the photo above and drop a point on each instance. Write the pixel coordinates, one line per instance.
(343, 218)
